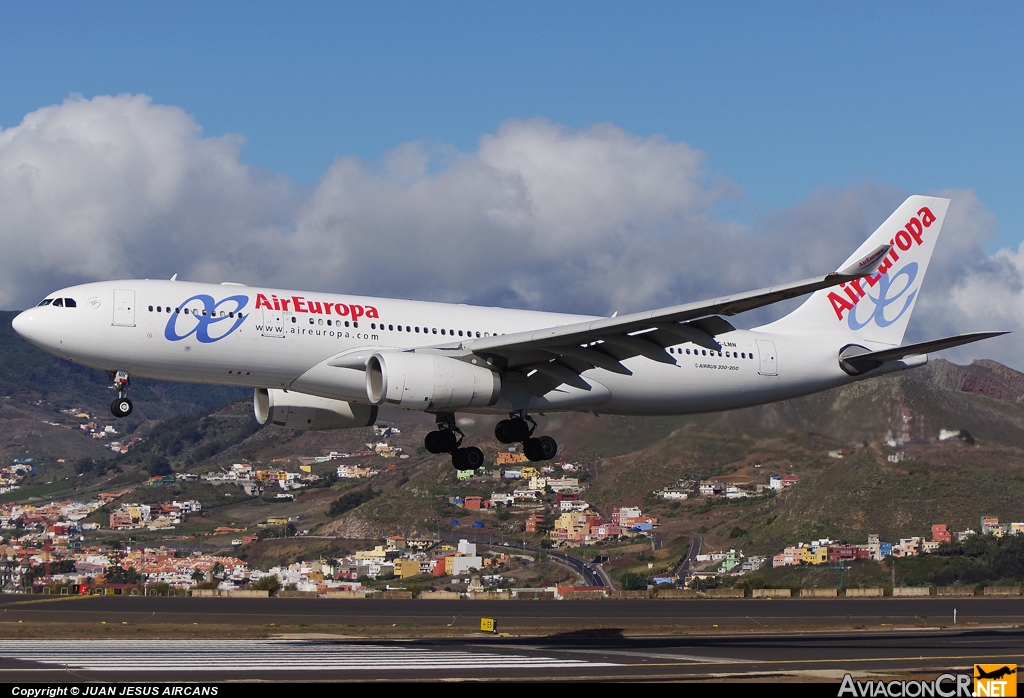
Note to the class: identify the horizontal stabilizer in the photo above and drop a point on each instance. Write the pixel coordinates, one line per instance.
(856, 359)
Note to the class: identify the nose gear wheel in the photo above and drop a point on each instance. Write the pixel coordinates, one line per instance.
(122, 406)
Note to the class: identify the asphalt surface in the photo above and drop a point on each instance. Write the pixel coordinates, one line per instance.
(587, 572)
(568, 656)
(641, 616)
(685, 569)
(212, 639)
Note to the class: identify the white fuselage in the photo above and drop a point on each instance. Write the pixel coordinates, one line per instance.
(228, 334)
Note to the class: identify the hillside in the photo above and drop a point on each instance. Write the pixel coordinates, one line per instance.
(35, 387)
(32, 377)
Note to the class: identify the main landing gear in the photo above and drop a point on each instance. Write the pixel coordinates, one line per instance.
(448, 439)
(122, 406)
(519, 428)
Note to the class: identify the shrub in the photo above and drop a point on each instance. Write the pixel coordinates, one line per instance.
(269, 583)
(634, 581)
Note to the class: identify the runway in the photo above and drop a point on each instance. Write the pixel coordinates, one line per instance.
(264, 656)
(799, 656)
(125, 638)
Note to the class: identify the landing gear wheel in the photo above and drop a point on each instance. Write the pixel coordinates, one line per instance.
(469, 458)
(441, 441)
(121, 407)
(500, 434)
(515, 429)
(541, 448)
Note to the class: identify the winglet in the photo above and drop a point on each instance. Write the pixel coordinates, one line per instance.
(867, 265)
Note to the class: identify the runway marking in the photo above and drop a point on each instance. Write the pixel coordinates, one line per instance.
(263, 655)
(841, 660)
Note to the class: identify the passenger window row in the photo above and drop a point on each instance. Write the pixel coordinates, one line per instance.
(402, 328)
(59, 303)
(187, 311)
(430, 330)
(337, 323)
(704, 352)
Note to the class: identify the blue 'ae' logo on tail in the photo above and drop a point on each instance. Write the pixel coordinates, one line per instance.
(891, 288)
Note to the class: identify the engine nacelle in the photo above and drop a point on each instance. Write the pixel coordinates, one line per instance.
(429, 382)
(291, 410)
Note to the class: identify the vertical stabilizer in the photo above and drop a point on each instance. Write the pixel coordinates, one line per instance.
(877, 308)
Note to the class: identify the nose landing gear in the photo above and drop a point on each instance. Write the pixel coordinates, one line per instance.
(122, 406)
(447, 438)
(519, 428)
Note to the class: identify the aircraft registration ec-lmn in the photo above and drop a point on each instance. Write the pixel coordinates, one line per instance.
(323, 361)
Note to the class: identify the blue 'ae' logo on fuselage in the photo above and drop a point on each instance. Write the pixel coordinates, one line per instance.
(202, 322)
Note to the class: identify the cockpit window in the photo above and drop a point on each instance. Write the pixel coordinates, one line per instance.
(45, 302)
(58, 303)
(70, 303)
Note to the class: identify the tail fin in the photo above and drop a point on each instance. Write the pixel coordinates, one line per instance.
(877, 308)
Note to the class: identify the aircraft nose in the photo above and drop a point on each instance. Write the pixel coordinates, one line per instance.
(22, 323)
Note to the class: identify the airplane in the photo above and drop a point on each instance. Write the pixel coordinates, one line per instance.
(995, 673)
(327, 361)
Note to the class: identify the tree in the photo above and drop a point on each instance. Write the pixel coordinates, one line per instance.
(269, 583)
(634, 581)
(160, 467)
(116, 574)
(349, 501)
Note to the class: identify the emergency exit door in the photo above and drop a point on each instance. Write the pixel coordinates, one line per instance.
(124, 307)
(769, 362)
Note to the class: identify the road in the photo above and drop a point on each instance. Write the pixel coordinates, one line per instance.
(686, 566)
(590, 574)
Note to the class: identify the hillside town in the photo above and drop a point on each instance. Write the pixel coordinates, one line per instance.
(547, 502)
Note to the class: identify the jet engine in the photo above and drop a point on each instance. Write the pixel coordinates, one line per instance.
(426, 381)
(284, 408)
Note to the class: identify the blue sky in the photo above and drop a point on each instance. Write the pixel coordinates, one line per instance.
(783, 98)
(582, 157)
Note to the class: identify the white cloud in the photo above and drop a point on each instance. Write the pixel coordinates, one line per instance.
(117, 186)
(540, 215)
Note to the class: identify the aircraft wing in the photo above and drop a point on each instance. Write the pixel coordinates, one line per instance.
(565, 351)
